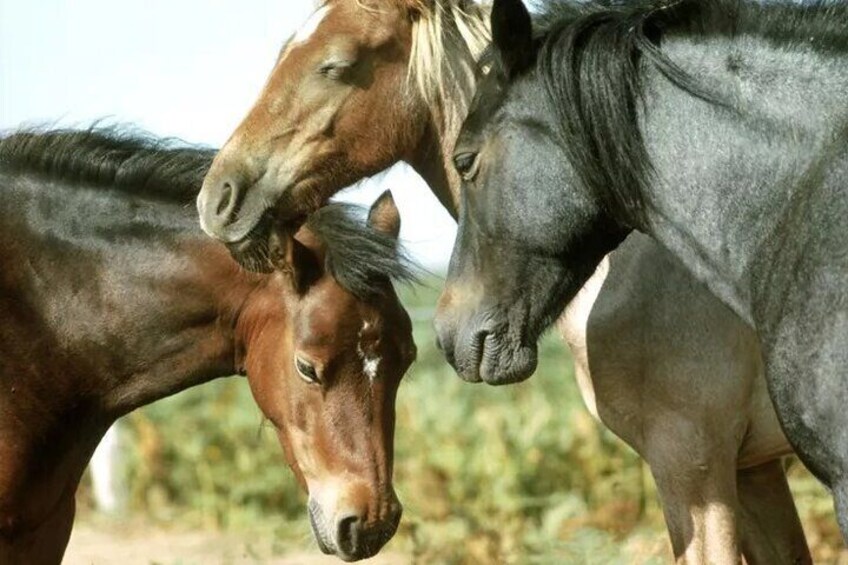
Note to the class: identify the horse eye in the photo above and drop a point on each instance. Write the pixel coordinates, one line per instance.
(306, 370)
(335, 70)
(464, 163)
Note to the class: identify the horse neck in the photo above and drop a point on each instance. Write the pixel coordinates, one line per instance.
(446, 46)
(141, 304)
(733, 182)
(262, 316)
(432, 160)
(201, 297)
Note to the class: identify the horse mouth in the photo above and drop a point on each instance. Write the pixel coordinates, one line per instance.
(515, 366)
(252, 251)
(497, 360)
(316, 519)
(260, 250)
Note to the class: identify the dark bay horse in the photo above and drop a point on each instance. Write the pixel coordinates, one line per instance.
(720, 128)
(112, 298)
(659, 359)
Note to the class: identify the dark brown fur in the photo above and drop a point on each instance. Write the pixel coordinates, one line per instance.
(111, 298)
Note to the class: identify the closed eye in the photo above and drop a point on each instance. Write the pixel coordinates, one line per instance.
(336, 69)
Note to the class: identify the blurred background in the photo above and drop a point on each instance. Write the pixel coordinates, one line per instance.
(521, 474)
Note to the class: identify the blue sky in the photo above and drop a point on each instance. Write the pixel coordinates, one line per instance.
(185, 68)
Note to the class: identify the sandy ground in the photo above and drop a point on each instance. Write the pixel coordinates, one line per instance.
(136, 544)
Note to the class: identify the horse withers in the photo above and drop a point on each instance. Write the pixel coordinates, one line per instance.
(720, 129)
(112, 298)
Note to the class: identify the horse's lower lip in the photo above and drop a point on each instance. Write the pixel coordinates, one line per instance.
(501, 363)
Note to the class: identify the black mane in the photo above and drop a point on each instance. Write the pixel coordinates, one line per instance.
(589, 61)
(112, 157)
(359, 257)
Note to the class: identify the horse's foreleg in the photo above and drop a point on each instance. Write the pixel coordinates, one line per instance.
(44, 545)
(698, 496)
(769, 524)
(840, 499)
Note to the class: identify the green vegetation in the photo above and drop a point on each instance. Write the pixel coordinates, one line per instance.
(519, 474)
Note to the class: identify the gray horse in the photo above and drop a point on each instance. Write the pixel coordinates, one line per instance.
(720, 128)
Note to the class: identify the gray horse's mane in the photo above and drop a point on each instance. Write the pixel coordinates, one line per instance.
(589, 61)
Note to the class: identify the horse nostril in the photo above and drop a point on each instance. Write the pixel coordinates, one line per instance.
(347, 534)
(226, 199)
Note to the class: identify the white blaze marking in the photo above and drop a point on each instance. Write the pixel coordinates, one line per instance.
(308, 28)
(370, 365)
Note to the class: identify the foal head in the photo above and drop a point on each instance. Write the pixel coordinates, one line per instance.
(364, 84)
(325, 369)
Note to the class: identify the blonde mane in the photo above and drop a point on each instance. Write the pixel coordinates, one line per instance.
(448, 37)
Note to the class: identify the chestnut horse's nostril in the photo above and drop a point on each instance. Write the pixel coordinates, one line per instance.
(227, 210)
(226, 199)
(348, 531)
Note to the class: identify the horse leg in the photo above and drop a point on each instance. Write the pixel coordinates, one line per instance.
(768, 521)
(699, 499)
(44, 545)
(840, 499)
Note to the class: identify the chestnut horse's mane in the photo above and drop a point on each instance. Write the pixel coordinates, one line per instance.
(447, 39)
(448, 36)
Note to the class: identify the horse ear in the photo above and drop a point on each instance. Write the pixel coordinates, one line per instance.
(384, 216)
(305, 266)
(300, 263)
(512, 34)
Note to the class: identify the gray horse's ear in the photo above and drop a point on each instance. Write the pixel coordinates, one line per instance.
(512, 34)
(384, 216)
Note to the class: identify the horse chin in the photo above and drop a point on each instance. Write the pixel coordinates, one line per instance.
(503, 361)
(491, 356)
(253, 252)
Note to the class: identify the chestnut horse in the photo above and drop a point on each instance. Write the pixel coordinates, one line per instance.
(112, 299)
(659, 360)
